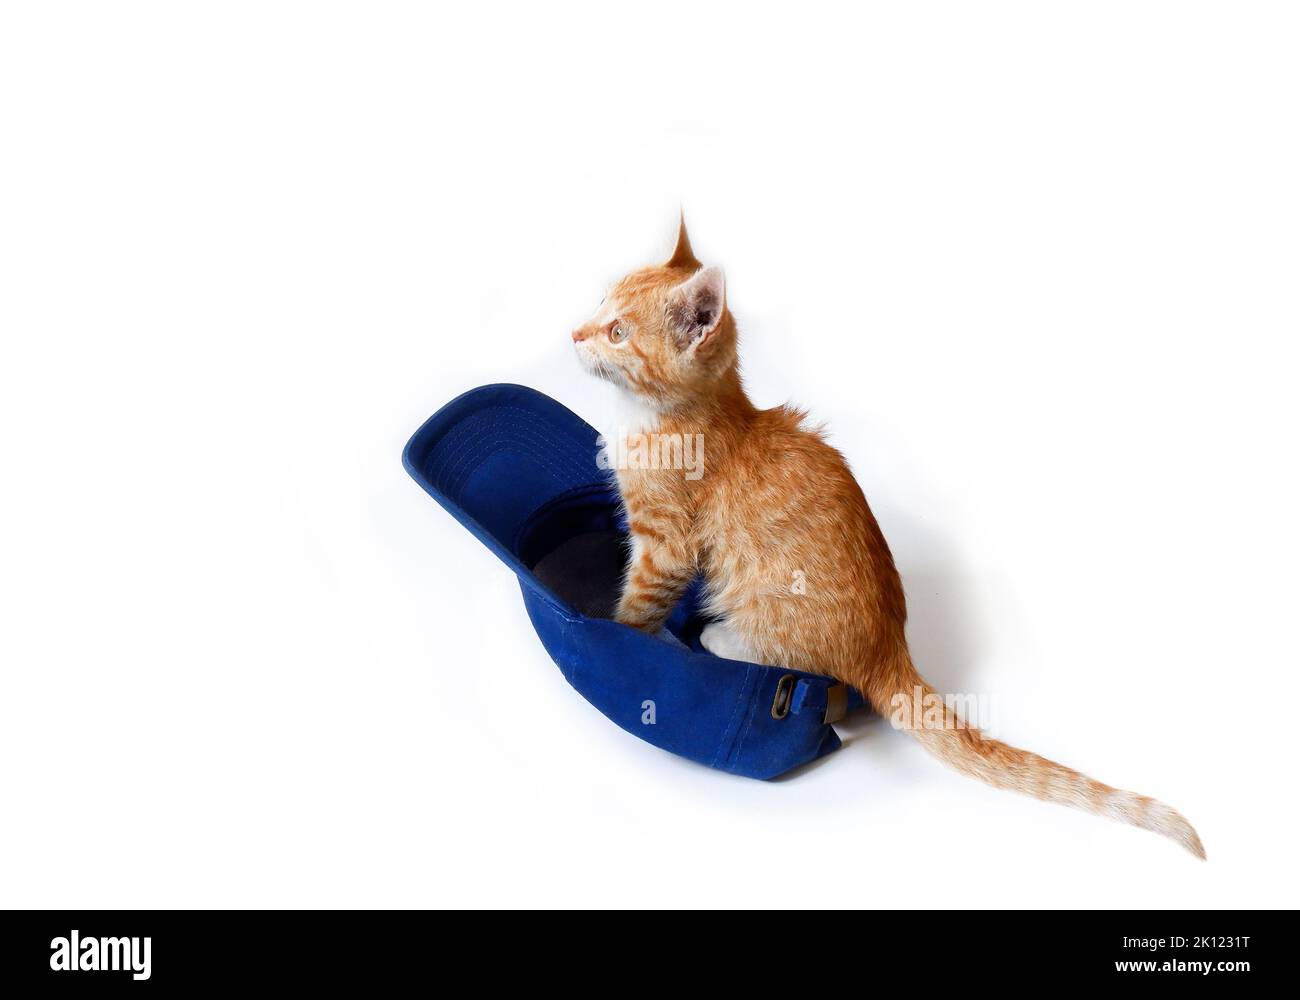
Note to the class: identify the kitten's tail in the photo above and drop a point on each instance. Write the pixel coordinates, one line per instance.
(898, 692)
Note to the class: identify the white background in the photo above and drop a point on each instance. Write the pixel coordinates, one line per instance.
(1034, 263)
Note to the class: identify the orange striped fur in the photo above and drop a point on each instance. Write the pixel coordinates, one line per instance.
(775, 505)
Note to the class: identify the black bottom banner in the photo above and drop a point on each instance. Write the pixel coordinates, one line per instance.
(145, 950)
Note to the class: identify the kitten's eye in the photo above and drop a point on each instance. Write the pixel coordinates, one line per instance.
(617, 333)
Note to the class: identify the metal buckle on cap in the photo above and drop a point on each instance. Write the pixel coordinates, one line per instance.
(837, 703)
(784, 691)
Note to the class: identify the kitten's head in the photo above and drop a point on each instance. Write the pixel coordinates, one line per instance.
(663, 333)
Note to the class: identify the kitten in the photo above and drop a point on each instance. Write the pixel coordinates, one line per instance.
(796, 570)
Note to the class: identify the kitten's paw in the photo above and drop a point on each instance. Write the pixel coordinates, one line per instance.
(721, 640)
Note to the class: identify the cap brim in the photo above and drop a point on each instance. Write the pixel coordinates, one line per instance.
(498, 454)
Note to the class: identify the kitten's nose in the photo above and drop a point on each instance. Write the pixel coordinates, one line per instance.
(582, 333)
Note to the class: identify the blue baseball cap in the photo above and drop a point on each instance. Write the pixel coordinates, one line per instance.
(520, 472)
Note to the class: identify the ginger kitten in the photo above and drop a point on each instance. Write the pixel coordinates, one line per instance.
(776, 504)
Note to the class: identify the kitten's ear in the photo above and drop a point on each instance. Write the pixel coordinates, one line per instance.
(695, 307)
(682, 256)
